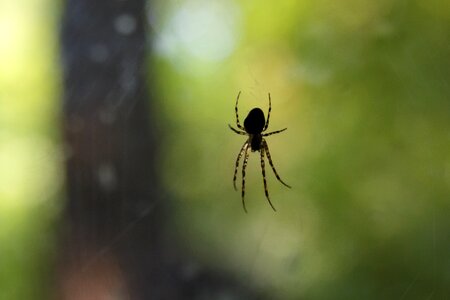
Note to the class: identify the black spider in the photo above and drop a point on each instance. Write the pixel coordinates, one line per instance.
(254, 126)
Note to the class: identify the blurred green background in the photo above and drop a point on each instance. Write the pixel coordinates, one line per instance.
(362, 87)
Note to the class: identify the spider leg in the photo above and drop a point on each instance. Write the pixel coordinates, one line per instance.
(241, 152)
(273, 132)
(264, 178)
(266, 148)
(268, 115)
(244, 165)
(237, 131)
(237, 115)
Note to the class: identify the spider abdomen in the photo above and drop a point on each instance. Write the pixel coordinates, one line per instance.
(254, 123)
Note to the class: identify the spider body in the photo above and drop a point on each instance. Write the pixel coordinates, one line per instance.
(254, 126)
(255, 121)
(255, 141)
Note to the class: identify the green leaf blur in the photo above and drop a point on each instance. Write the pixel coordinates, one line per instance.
(30, 172)
(363, 88)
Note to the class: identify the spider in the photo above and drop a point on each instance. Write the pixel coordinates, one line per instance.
(254, 126)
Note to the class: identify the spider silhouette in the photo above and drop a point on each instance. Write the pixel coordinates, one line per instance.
(254, 126)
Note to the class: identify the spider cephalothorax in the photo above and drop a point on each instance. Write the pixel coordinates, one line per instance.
(254, 126)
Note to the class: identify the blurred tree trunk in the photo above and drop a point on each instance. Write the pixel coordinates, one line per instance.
(114, 211)
(114, 215)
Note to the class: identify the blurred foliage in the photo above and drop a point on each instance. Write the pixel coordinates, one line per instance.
(30, 176)
(362, 87)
